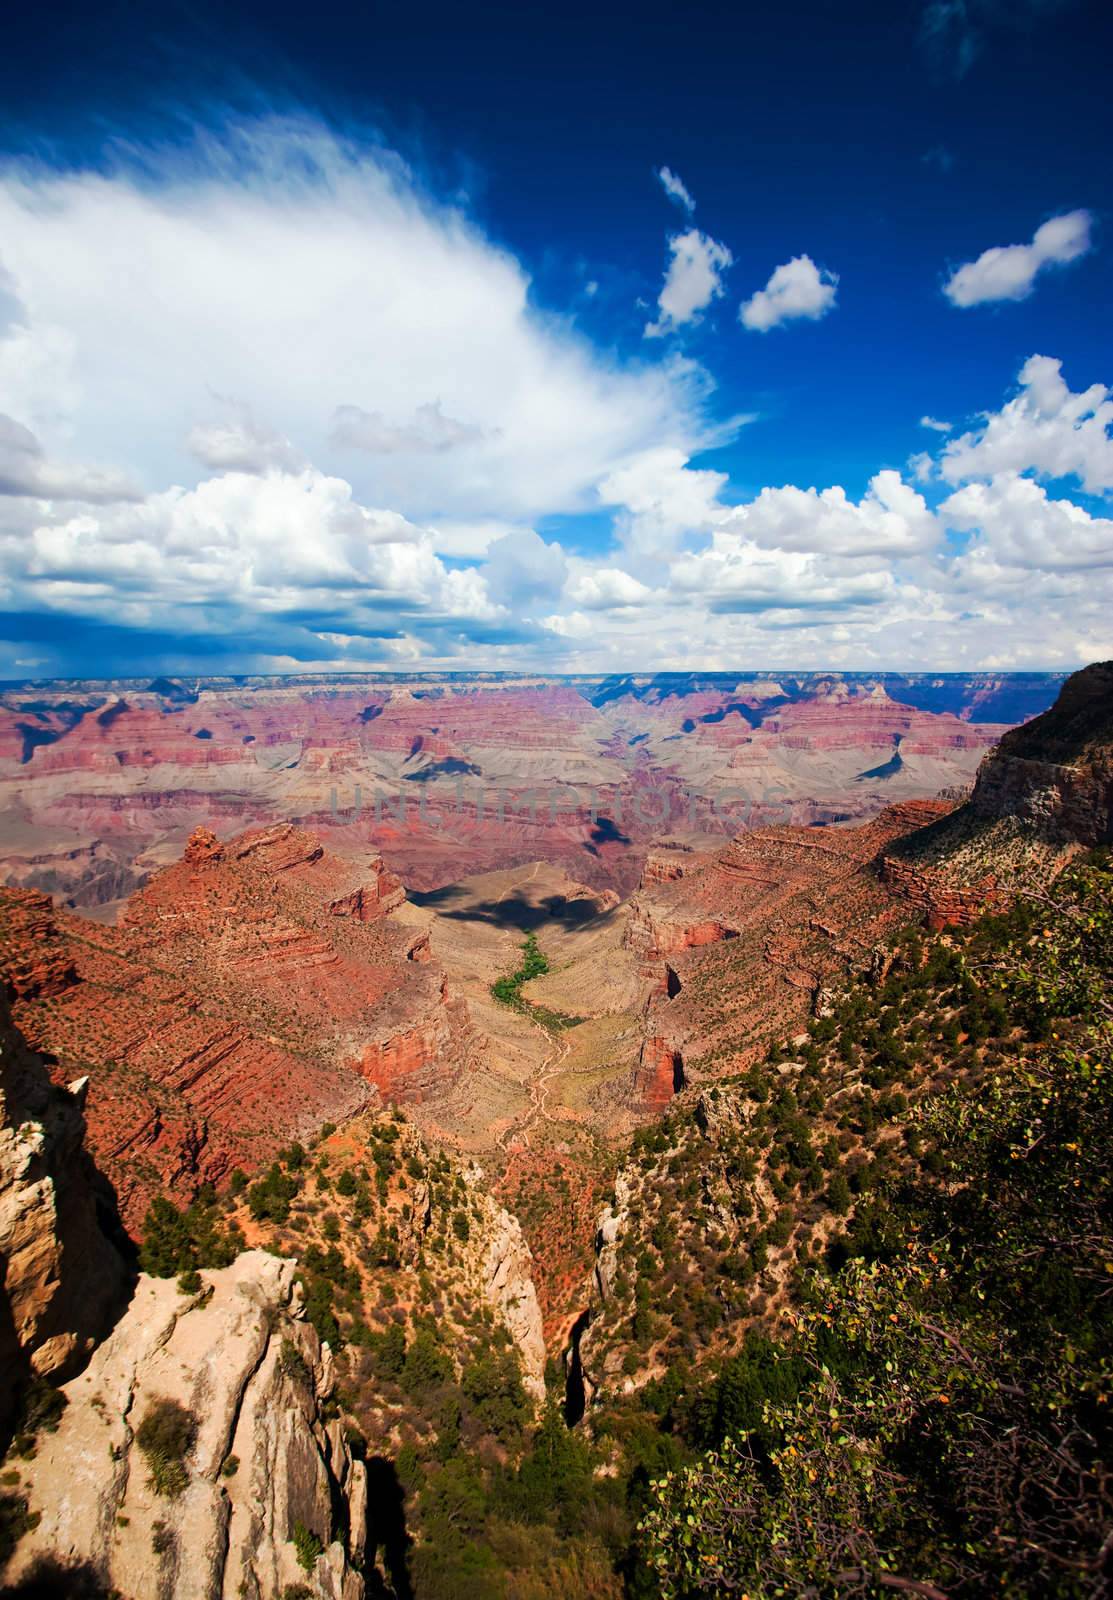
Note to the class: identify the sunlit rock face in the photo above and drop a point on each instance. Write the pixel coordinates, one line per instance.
(255, 989)
(62, 1276)
(254, 1377)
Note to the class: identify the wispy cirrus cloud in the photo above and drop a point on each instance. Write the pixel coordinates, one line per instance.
(676, 189)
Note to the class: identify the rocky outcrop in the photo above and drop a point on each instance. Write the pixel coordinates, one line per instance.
(508, 1286)
(1042, 795)
(1054, 775)
(738, 946)
(943, 904)
(254, 1378)
(658, 1075)
(61, 1278)
(414, 1063)
(253, 991)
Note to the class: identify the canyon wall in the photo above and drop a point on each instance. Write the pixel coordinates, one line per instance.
(100, 784)
(254, 1378)
(253, 991)
(62, 1276)
(1044, 794)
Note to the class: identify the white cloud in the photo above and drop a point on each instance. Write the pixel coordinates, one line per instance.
(1019, 526)
(25, 470)
(891, 519)
(465, 540)
(1008, 272)
(935, 425)
(521, 569)
(606, 589)
(300, 273)
(662, 500)
(1046, 429)
(798, 288)
(692, 281)
(736, 575)
(428, 432)
(240, 444)
(255, 548)
(676, 190)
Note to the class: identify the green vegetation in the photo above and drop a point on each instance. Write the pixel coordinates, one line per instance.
(307, 1546)
(178, 1242)
(166, 1436)
(508, 989)
(950, 1432)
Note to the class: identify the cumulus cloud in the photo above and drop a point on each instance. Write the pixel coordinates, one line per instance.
(25, 470)
(736, 575)
(606, 589)
(662, 500)
(261, 550)
(521, 569)
(429, 432)
(1018, 525)
(692, 281)
(1046, 429)
(676, 190)
(798, 288)
(935, 425)
(891, 519)
(301, 272)
(1009, 272)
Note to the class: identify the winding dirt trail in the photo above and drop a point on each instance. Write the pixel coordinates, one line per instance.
(538, 1094)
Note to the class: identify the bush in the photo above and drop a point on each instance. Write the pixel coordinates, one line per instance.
(166, 1435)
(426, 1365)
(292, 1362)
(307, 1546)
(838, 1194)
(269, 1199)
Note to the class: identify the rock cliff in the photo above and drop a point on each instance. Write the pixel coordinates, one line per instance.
(264, 1466)
(1042, 795)
(737, 943)
(61, 1277)
(254, 990)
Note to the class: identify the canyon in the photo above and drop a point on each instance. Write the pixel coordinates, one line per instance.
(251, 992)
(275, 1023)
(448, 775)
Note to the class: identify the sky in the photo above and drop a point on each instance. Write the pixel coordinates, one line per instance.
(569, 339)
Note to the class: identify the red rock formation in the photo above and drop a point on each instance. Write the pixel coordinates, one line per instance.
(658, 1075)
(1044, 793)
(796, 909)
(234, 1008)
(943, 904)
(127, 769)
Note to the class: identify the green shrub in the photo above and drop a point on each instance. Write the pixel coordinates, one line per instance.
(166, 1436)
(307, 1546)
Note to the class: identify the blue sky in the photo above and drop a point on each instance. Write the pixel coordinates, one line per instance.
(380, 338)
